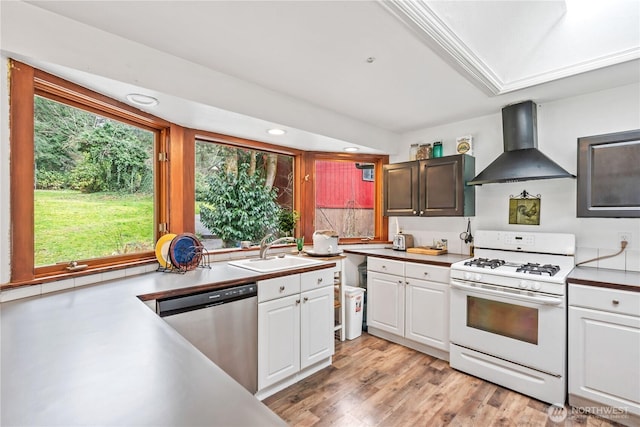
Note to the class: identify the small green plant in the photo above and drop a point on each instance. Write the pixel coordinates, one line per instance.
(239, 206)
(287, 220)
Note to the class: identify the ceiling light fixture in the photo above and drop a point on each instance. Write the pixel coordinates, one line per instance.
(142, 100)
(351, 149)
(276, 131)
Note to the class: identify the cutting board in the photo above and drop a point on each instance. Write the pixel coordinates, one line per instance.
(426, 250)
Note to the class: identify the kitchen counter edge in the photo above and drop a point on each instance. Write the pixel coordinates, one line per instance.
(605, 278)
(444, 260)
(69, 357)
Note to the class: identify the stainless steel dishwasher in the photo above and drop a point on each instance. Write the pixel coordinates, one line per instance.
(222, 324)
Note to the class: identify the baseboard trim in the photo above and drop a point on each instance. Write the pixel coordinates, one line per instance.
(422, 348)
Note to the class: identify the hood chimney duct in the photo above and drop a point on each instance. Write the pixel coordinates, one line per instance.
(521, 159)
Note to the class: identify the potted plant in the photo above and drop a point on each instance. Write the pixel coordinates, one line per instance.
(287, 219)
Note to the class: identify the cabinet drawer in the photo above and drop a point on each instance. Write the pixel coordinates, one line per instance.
(387, 266)
(316, 279)
(427, 272)
(612, 300)
(279, 287)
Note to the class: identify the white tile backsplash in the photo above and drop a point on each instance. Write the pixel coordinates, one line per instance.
(628, 260)
(616, 263)
(151, 268)
(91, 279)
(60, 285)
(632, 260)
(22, 292)
(585, 254)
(113, 274)
(88, 280)
(134, 271)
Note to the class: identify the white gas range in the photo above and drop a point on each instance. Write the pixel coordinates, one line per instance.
(508, 311)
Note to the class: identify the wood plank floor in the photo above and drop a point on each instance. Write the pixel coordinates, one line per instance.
(373, 382)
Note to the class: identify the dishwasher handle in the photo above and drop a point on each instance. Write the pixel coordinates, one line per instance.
(196, 301)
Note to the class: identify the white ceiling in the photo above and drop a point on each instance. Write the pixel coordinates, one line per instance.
(435, 62)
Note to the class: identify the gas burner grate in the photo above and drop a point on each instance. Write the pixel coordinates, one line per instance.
(533, 268)
(485, 262)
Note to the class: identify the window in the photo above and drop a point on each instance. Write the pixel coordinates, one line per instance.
(66, 142)
(85, 183)
(93, 192)
(345, 196)
(241, 194)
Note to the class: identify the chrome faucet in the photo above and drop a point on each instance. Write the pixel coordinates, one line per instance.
(264, 246)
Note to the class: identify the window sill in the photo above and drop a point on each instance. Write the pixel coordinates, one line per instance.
(109, 270)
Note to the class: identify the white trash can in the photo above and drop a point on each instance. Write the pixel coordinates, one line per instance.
(354, 300)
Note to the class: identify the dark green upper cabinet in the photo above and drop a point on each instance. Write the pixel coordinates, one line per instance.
(433, 187)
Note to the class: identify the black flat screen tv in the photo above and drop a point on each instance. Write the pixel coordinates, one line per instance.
(609, 175)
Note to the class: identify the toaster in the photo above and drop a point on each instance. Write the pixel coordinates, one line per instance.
(402, 241)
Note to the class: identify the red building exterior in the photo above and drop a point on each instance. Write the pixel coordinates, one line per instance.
(340, 185)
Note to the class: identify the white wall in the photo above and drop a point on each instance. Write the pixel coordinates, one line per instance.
(560, 123)
(4, 173)
(34, 35)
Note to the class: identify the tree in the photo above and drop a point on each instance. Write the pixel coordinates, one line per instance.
(239, 206)
(80, 150)
(115, 158)
(56, 150)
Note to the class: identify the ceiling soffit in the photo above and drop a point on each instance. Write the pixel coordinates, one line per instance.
(459, 46)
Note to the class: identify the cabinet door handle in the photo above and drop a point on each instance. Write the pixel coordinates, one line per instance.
(297, 301)
(305, 299)
(426, 273)
(281, 288)
(415, 212)
(319, 280)
(615, 302)
(421, 212)
(384, 267)
(400, 282)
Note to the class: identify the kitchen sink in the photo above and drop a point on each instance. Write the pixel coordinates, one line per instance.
(272, 264)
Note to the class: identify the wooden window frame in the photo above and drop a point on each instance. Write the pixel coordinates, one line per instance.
(308, 197)
(174, 198)
(250, 144)
(25, 83)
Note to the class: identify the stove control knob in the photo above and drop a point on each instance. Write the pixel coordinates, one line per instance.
(467, 276)
(477, 277)
(535, 286)
(523, 284)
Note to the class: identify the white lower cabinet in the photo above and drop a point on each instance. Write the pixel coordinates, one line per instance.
(604, 352)
(427, 317)
(278, 340)
(409, 303)
(295, 328)
(385, 302)
(316, 326)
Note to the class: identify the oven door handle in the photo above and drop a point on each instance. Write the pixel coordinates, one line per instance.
(533, 299)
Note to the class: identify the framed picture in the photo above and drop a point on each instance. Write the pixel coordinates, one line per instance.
(464, 145)
(524, 210)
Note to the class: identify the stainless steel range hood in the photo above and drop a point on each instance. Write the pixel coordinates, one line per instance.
(521, 160)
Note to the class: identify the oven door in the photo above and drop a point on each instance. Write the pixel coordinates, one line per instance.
(522, 327)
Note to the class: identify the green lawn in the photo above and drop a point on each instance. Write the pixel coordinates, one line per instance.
(70, 225)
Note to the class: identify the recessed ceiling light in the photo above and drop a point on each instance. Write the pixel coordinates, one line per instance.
(276, 131)
(142, 100)
(351, 149)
